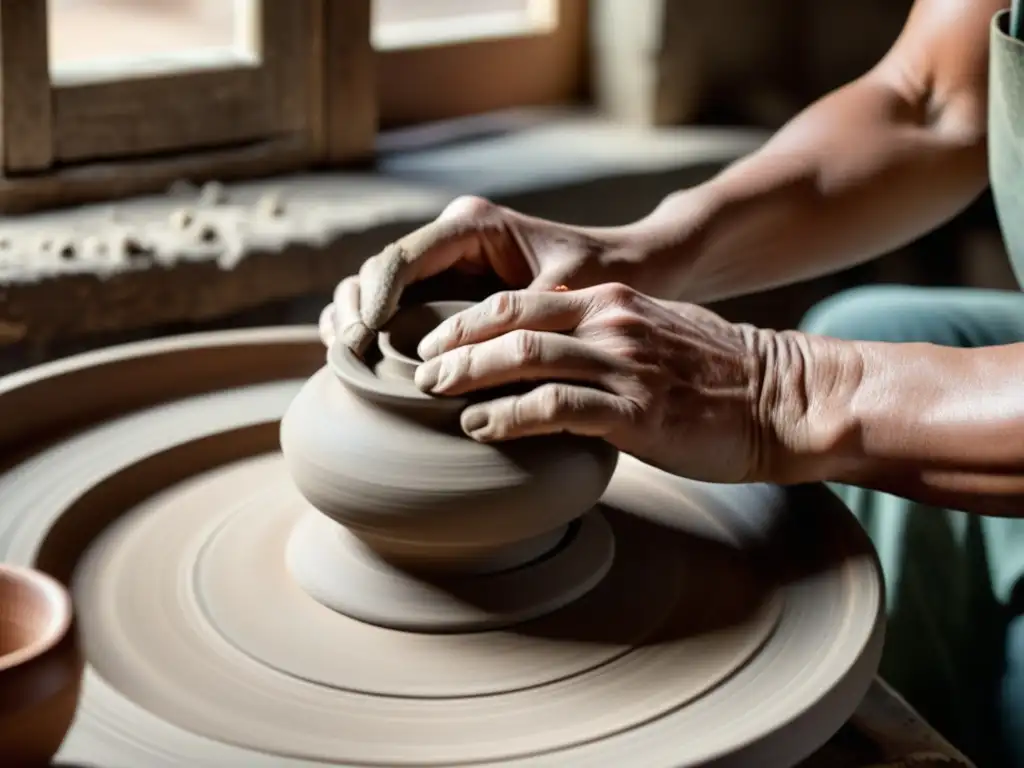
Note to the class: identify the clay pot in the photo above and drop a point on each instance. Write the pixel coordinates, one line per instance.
(41, 666)
(372, 452)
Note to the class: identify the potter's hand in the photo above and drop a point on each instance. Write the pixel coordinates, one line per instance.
(474, 235)
(683, 390)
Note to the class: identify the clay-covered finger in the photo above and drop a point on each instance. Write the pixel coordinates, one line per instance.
(505, 312)
(419, 255)
(348, 324)
(548, 409)
(514, 357)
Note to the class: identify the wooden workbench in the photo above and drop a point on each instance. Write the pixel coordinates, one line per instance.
(886, 733)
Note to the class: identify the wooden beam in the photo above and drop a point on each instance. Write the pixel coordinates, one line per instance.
(96, 182)
(196, 100)
(25, 96)
(349, 81)
(288, 55)
(181, 111)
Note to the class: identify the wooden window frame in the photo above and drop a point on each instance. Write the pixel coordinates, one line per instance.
(543, 63)
(316, 97)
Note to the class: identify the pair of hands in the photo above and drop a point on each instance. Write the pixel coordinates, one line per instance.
(679, 387)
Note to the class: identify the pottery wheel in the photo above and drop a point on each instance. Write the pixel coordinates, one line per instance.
(733, 624)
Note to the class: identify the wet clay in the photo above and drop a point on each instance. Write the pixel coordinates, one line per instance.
(414, 525)
(725, 625)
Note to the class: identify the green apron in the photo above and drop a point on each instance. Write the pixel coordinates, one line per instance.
(955, 642)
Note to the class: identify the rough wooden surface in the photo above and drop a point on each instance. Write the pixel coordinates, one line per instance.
(25, 108)
(886, 733)
(99, 181)
(195, 260)
(348, 128)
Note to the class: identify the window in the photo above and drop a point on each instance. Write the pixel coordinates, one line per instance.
(446, 58)
(103, 98)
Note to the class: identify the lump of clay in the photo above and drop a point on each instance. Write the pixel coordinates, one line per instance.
(387, 461)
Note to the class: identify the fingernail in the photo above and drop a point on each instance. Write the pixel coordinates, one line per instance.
(426, 375)
(474, 420)
(430, 344)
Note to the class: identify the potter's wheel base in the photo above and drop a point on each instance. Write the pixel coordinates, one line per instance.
(189, 610)
(737, 625)
(342, 573)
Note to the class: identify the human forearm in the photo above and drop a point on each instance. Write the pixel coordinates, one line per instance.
(944, 426)
(856, 175)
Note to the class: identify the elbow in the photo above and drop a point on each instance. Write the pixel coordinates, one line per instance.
(963, 128)
(967, 145)
(964, 143)
(955, 139)
(952, 121)
(958, 123)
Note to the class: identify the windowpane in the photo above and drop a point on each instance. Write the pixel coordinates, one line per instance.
(411, 23)
(405, 11)
(113, 38)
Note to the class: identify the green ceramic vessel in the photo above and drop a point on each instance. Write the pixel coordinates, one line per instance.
(1006, 136)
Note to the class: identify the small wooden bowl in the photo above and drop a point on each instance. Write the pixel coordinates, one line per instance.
(41, 666)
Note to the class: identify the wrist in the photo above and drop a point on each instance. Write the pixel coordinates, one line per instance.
(670, 239)
(807, 425)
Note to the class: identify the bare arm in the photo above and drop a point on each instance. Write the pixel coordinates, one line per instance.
(866, 169)
(940, 425)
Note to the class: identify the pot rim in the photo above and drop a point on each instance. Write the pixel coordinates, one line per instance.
(1000, 24)
(400, 393)
(59, 616)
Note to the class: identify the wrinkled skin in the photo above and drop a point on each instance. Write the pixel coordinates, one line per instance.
(678, 389)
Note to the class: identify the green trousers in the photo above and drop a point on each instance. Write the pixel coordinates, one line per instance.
(955, 643)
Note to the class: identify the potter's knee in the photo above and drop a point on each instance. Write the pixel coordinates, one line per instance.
(871, 313)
